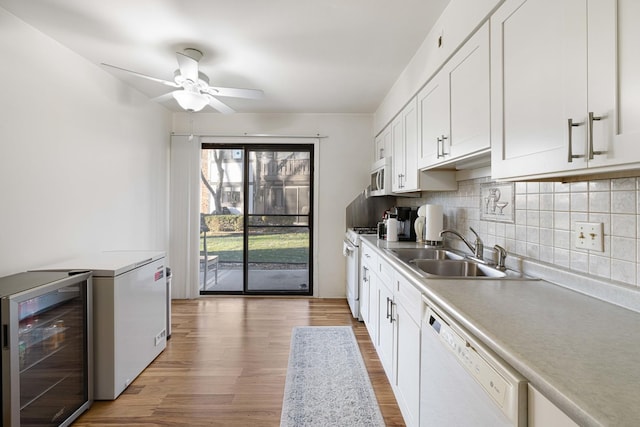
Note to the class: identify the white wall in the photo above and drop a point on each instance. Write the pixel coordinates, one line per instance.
(83, 158)
(344, 159)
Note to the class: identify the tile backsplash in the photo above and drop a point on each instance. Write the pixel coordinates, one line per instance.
(545, 217)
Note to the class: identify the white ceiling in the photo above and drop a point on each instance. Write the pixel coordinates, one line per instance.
(308, 56)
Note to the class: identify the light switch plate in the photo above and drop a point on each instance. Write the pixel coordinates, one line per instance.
(589, 235)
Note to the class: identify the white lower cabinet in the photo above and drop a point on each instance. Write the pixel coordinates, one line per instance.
(393, 323)
(365, 289)
(386, 329)
(543, 413)
(371, 321)
(407, 365)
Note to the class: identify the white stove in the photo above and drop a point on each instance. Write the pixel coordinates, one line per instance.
(351, 251)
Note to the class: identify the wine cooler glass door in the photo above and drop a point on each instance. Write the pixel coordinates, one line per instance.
(50, 354)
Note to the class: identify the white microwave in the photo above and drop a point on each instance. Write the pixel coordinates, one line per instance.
(380, 184)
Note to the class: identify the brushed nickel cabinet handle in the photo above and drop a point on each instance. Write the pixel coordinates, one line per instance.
(592, 153)
(439, 140)
(570, 126)
(391, 318)
(443, 139)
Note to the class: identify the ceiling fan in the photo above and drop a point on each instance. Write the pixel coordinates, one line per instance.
(193, 91)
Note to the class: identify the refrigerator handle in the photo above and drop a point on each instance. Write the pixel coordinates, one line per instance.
(5, 336)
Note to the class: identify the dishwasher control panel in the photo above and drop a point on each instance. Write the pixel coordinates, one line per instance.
(494, 384)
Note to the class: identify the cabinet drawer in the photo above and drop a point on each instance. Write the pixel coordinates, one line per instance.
(409, 297)
(369, 257)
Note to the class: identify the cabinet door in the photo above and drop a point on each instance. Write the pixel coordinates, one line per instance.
(410, 136)
(385, 331)
(372, 321)
(539, 84)
(433, 109)
(398, 154)
(470, 101)
(407, 366)
(378, 148)
(614, 82)
(543, 413)
(364, 292)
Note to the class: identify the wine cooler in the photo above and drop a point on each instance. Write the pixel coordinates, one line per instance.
(46, 347)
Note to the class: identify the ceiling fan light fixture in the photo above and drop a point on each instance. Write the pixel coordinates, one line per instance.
(190, 101)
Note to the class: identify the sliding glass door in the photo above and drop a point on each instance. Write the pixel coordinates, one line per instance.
(256, 219)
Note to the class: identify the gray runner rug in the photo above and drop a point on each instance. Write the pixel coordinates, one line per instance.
(327, 381)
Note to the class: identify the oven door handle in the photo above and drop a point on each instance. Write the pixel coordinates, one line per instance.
(347, 248)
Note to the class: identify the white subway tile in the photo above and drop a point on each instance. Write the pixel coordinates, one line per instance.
(623, 248)
(579, 202)
(623, 225)
(599, 202)
(623, 271)
(623, 202)
(623, 184)
(599, 266)
(561, 202)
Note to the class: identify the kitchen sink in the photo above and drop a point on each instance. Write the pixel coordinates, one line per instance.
(444, 263)
(456, 268)
(409, 254)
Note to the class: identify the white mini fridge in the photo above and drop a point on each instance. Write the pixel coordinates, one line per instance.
(129, 309)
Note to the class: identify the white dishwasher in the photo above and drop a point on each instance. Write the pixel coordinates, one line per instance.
(463, 383)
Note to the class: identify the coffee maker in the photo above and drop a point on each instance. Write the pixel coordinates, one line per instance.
(406, 218)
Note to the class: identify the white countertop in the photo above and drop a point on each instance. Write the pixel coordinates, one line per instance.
(580, 352)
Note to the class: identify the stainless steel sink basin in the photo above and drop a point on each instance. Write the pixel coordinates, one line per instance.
(443, 263)
(456, 268)
(409, 254)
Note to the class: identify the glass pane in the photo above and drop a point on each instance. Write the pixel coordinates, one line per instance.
(51, 355)
(278, 206)
(222, 219)
(279, 182)
(278, 258)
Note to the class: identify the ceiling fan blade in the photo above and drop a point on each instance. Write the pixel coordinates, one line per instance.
(144, 76)
(188, 67)
(235, 92)
(220, 106)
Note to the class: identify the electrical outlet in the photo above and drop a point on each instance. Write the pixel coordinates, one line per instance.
(589, 235)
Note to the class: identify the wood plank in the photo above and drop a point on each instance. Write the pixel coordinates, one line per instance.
(226, 364)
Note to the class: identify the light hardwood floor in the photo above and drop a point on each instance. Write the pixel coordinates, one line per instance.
(226, 364)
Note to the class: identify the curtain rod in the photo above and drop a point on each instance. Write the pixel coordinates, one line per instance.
(251, 135)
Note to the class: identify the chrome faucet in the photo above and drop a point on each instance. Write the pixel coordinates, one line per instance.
(477, 248)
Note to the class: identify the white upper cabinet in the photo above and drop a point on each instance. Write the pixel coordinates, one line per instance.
(454, 107)
(404, 129)
(382, 146)
(433, 107)
(614, 82)
(555, 107)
